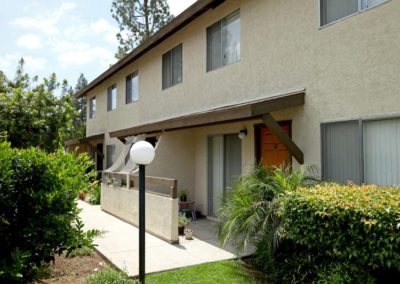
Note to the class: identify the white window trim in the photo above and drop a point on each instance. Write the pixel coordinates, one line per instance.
(347, 17)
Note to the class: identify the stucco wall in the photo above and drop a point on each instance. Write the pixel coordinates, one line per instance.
(161, 212)
(350, 69)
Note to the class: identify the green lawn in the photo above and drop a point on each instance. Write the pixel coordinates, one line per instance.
(217, 272)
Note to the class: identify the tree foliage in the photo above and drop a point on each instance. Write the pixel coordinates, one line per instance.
(137, 20)
(32, 114)
(38, 210)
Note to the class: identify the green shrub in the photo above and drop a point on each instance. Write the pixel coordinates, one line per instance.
(94, 194)
(249, 213)
(359, 224)
(38, 210)
(110, 276)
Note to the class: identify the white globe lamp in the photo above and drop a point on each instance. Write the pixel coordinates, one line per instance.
(142, 153)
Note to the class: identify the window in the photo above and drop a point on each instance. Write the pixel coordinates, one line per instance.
(92, 107)
(172, 67)
(363, 151)
(112, 97)
(132, 88)
(223, 42)
(110, 155)
(332, 11)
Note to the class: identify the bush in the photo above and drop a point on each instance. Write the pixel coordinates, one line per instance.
(38, 210)
(357, 224)
(94, 194)
(110, 276)
(249, 213)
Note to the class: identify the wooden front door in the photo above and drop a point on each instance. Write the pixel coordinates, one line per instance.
(270, 151)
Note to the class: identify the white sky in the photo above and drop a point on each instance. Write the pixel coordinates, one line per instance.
(66, 37)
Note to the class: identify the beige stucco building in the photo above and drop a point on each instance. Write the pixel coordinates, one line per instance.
(330, 73)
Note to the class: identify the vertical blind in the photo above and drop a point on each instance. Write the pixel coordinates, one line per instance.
(341, 152)
(363, 151)
(382, 151)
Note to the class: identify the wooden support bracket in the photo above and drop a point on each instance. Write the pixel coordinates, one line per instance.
(276, 129)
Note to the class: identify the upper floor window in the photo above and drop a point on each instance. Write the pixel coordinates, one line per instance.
(223, 42)
(92, 107)
(132, 88)
(112, 97)
(332, 11)
(172, 67)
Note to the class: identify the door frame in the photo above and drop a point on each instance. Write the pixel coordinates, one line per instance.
(257, 138)
(210, 170)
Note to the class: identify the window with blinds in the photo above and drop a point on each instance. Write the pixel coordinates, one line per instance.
(332, 11)
(172, 67)
(112, 97)
(223, 42)
(362, 151)
(132, 88)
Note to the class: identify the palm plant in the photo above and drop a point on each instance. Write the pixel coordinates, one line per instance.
(249, 213)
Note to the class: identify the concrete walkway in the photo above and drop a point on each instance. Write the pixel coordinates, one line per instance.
(119, 244)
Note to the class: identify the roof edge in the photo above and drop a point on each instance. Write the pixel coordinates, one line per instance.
(194, 11)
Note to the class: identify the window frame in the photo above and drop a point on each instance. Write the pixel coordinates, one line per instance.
(110, 98)
(109, 157)
(361, 121)
(220, 24)
(170, 54)
(92, 107)
(360, 10)
(128, 79)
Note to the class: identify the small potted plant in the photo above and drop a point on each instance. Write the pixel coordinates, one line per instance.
(183, 221)
(188, 234)
(183, 195)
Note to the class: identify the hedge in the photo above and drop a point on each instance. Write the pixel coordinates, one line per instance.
(353, 223)
(37, 208)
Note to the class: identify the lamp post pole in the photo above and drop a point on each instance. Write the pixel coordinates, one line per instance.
(142, 153)
(142, 220)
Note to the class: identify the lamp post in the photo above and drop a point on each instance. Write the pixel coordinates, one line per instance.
(142, 153)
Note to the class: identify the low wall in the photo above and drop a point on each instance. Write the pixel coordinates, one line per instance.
(161, 211)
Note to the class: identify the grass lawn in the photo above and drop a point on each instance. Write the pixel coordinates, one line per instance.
(217, 272)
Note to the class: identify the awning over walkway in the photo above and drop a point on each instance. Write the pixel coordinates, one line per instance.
(95, 139)
(248, 110)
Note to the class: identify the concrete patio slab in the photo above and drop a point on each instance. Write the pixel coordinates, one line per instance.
(119, 243)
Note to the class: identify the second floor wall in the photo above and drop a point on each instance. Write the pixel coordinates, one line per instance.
(282, 48)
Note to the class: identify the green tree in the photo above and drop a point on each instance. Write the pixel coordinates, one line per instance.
(137, 20)
(30, 112)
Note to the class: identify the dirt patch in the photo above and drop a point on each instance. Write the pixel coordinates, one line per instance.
(73, 270)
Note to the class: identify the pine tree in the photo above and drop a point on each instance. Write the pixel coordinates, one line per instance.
(138, 20)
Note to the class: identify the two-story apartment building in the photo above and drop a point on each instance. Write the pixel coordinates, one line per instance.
(302, 81)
